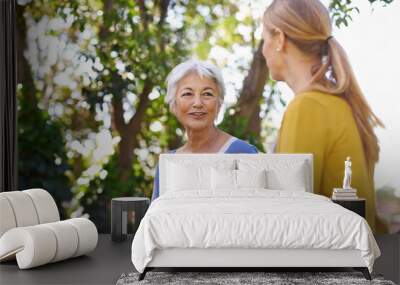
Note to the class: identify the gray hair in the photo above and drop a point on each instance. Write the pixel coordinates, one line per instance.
(202, 68)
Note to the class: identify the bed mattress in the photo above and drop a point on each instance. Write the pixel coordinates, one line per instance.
(250, 219)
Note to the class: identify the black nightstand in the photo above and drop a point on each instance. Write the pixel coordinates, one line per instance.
(119, 215)
(356, 205)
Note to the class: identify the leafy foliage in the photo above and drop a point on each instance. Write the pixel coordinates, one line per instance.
(42, 160)
(342, 10)
(93, 122)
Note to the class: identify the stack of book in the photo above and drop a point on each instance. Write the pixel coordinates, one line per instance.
(344, 194)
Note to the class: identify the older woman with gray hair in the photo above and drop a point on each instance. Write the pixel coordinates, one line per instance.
(195, 93)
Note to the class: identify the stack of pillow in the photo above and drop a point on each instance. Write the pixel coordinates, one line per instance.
(234, 175)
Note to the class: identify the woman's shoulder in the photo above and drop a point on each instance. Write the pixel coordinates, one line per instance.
(317, 99)
(241, 146)
(318, 110)
(319, 104)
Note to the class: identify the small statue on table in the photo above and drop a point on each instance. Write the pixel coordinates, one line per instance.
(347, 174)
(347, 192)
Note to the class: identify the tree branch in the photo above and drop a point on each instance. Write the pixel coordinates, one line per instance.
(163, 6)
(143, 13)
(134, 122)
(118, 114)
(104, 29)
(248, 105)
(253, 85)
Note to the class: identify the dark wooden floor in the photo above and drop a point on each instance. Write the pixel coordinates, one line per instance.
(102, 266)
(389, 262)
(110, 260)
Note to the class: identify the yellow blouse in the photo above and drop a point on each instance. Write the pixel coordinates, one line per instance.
(323, 124)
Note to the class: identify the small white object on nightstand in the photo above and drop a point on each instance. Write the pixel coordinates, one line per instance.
(347, 174)
(345, 193)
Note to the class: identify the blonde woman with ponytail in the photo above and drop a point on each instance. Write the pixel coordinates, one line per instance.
(329, 115)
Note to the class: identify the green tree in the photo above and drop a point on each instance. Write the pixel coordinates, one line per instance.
(42, 160)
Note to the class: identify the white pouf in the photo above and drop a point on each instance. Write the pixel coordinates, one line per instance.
(31, 232)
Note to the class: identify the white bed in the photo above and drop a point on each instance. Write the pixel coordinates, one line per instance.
(202, 220)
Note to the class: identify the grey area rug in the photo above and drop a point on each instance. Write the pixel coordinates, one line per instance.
(229, 278)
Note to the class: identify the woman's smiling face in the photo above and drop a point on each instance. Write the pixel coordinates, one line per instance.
(197, 101)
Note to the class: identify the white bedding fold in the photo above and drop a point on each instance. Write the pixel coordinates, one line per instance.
(250, 219)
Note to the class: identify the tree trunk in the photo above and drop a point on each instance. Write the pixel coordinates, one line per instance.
(129, 131)
(125, 158)
(248, 105)
(128, 135)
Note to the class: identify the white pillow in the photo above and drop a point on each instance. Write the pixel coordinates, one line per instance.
(225, 179)
(251, 178)
(281, 175)
(181, 177)
(193, 174)
(291, 180)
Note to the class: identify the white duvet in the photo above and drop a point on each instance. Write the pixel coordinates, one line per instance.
(250, 219)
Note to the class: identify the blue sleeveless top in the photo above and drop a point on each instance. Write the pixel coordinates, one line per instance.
(236, 146)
